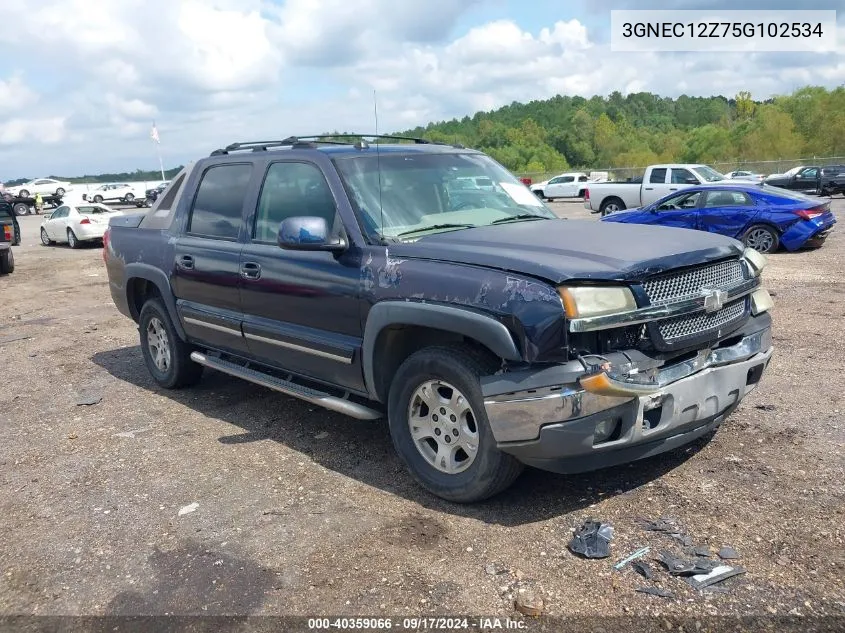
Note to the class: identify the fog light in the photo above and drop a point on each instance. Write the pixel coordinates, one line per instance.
(761, 301)
(605, 430)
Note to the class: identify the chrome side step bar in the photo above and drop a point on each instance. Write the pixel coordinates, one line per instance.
(314, 396)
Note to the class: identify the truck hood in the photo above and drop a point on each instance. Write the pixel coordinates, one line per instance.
(561, 250)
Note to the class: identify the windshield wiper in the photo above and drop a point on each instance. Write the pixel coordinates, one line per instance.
(521, 216)
(436, 226)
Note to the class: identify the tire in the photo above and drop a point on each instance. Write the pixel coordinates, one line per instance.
(490, 470)
(178, 370)
(60, 192)
(24, 193)
(129, 198)
(98, 199)
(45, 240)
(580, 193)
(72, 240)
(762, 238)
(21, 209)
(610, 205)
(7, 262)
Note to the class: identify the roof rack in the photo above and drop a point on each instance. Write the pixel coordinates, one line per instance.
(314, 140)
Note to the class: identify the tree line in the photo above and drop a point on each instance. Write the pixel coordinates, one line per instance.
(644, 128)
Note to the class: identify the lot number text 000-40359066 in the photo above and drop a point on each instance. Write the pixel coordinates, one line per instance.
(725, 31)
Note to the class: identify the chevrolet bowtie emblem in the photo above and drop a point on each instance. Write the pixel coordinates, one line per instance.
(714, 299)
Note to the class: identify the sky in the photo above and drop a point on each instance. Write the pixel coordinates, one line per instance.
(81, 81)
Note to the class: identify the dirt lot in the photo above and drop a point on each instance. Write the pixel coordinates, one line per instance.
(301, 511)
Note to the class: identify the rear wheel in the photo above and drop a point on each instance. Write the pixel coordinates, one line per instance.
(439, 426)
(98, 199)
(129, 198)
(762, 238)
(24, 193)
(72, 240)
(60, 192)
(168, 357)
(580, 193)
(610, 205)
(20, 208)
(7, 262)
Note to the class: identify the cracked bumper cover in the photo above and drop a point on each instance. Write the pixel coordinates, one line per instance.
(548, 418)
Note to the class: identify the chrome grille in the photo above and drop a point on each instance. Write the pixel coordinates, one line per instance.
(687, 326)
(689, 283)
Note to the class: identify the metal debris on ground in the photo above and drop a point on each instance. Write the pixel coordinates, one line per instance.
(635, 555)
(680, 567)
(702, 550)
(655, 591)
(716, 575)
(188, 508)
(728, 553)
(592, 539)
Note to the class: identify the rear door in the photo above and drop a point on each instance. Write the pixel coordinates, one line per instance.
(726, 212)
(656, 186)
(207, 257)
(301, 308)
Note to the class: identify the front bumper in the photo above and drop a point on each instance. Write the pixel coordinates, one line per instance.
(554, 426)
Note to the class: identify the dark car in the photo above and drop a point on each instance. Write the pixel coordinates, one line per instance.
(489, 333)
(825, 181)
(9, 236)
(151, 195)
(762, 216)
(8, 215)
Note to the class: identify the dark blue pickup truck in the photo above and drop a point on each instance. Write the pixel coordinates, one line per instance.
(377, 279)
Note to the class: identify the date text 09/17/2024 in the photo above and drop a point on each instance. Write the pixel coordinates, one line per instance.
(418, 623)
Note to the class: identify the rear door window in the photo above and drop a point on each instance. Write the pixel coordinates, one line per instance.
(218, 206)
(658, 175)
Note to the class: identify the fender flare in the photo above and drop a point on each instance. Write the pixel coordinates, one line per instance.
(158, 278)
(484, 329)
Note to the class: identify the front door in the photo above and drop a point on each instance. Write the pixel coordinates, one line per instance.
(301, 308)
(680, 210)
(207, 256)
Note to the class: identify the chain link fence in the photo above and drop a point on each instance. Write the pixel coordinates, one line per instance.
(765, 167)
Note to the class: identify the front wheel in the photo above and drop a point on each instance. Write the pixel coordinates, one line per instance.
(45, 239)
(98, 199)
(129, 198)
(60, 192)
(439, 426)
(24, 193)
(762, 238)
(168, 357)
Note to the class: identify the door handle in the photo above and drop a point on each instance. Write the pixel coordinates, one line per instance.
(185, 261)
(649, 188)
(250, 270)
(673, 188)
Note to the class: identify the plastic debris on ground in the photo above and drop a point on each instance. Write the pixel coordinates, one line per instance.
(638, 554)
(718, 574)
(728, 553)
(642, 568)
(655, 591)
(592, 539)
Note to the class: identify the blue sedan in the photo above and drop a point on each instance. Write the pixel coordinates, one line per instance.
(762, 216)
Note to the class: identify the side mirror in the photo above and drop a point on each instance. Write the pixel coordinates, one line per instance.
(308, 233)
(691, 181)
(798, 176)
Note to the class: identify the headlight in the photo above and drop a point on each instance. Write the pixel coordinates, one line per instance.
(756, 261)
(590, 301)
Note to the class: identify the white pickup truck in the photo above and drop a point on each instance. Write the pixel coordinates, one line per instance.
(658, 181)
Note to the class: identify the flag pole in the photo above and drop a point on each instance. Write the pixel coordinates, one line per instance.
(157, 141)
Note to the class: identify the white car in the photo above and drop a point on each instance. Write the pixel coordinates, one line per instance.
(570, 185)
(76, 224)
(745, 175)
(44, 186)
(121, 191)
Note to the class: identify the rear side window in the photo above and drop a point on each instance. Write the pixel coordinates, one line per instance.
(218, 205)
(658, 175)
(727, 199)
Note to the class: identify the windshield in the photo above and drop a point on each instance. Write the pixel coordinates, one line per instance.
(708, 173)
(793, 171)
(412, 192)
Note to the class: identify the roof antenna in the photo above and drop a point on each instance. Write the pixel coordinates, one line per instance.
(378, 165)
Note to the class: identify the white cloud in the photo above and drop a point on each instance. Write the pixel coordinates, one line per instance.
(211, 73)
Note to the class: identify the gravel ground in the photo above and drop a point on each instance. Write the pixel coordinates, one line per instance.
(231, 499)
